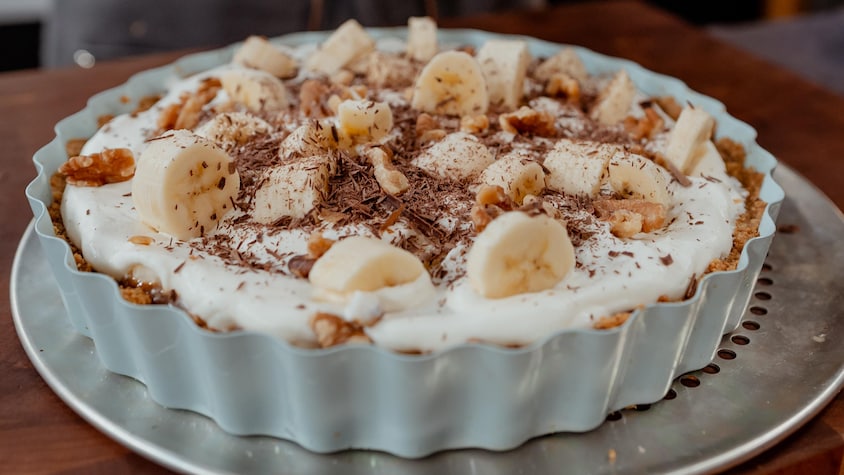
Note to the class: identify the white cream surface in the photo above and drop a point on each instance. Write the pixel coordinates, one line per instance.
(612, 274)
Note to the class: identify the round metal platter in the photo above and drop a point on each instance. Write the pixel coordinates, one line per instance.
(779, 369)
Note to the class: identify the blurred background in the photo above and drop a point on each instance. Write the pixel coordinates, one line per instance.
(806, 36)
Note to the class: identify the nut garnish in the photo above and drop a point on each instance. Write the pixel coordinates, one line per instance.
(631, 216)
(391, 180)
(644, 126)
(474, 124)
(73, 147)
(669, 105)
(528, 121)
(185, 113)
(490, 202)
(310, 99)
(109, 166)
(318, 244)
(564, 86)
(332, 330)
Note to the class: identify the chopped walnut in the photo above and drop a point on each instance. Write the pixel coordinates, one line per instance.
(73, 147)
(490, 202)
(645, 126)
(311, 96)
(103, 120)
(428, 129)
(528, 121)
(611, 321)
(332, 330)
(626, 215)
(185, 114)
(669, 105)
(424, 123)
(564, 86)
(318, 244)
(389, 178)
(490, 195)
(109, 166)
(468, 49)
(474, 124)
(145, 103)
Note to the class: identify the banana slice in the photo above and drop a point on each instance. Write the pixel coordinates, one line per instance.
(255, 89)
(614, 100)
(504, 64)
(517, 176)
(347, 44)
(364, 264)
(421, 38)
(364, 121)
(693, 128)
(256, 52)
(635, 176)
(567, 62)
(291, 189)
(452, 83)
(458, 156)
(184, 184)
(230, 129)
(517, 253)
(578, 168)
(314, 138)
(709, 162)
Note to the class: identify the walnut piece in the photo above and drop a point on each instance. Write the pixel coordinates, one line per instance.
(564, 86)
(490, 202)
(332, 330)
(73, 147)
(645, 126)
(474, 124)
(631, 216)
(528, 121)
(109, 166)
(318, 244)
(389, 178)
(669, 105)
(185, 114)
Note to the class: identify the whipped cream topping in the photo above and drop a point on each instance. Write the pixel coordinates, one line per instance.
(611, 274)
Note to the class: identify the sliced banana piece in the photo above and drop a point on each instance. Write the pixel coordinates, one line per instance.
(421, 38)
(517, 176)
(255, 89)
(347, 44)
(458, 156)
(452, 83)
(578, 168)
(314, 138)
(363, 264)
(709, 161)
(184, 184)
(517, 253)
(693, 128)
(614, 100)
(567, 62)
(230, 129)
(292, 189)
(635, 176)
(364, 121)
(504, 64)
(258, 53)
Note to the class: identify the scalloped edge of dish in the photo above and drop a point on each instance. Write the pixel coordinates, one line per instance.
(469, 395)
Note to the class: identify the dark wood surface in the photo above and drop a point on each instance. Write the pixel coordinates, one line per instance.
(802, 124)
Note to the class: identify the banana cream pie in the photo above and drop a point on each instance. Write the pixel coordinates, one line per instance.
(409, 194)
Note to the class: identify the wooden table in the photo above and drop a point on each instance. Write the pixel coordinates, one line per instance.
(800, 123)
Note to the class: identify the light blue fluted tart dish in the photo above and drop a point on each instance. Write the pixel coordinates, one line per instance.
(470, 395)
